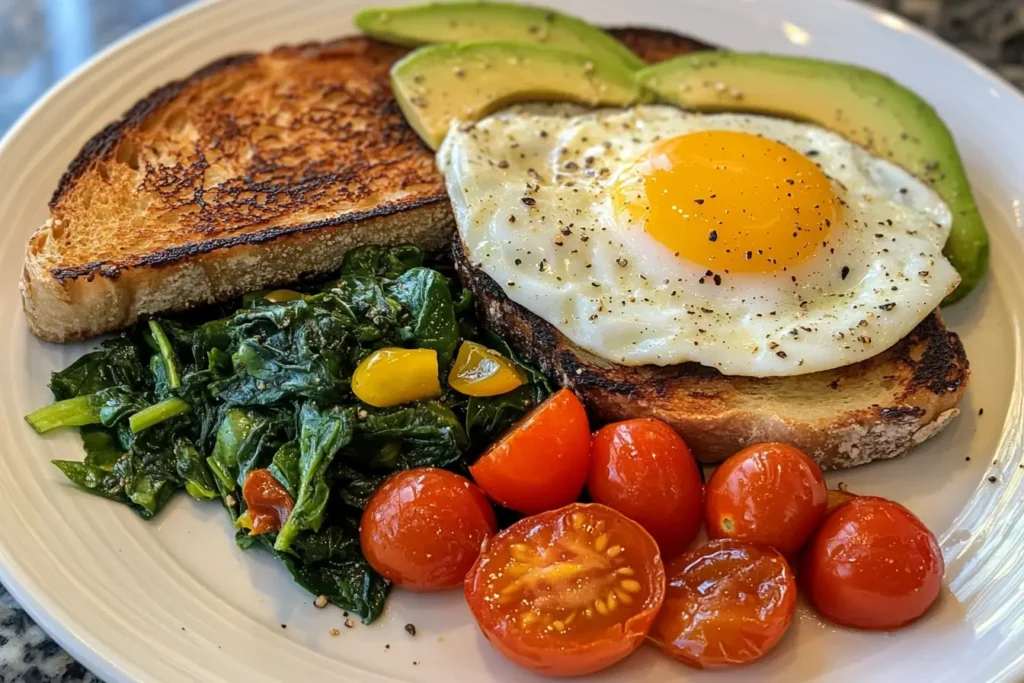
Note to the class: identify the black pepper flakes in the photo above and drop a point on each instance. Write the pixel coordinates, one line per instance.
(718, 279)
(410, 629)
(888, 307)
(993, 479)
(713, 236)
(529, 201)
(749, 255)
(780, 354)
(698, 202)
(981, 411)
(844, 272)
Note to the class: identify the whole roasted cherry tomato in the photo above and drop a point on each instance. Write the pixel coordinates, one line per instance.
(873, 565)
(769, 493)
(542, 462)
(727, 603)
(268, 502)
(643, 469)
(568, 592)
(423, 528)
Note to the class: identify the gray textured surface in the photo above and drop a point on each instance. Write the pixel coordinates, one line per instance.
(41, 41)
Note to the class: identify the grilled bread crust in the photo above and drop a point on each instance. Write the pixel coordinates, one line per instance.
(876, 409)
(252, 172)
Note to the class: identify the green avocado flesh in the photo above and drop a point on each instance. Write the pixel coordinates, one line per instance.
(470, 21)
(438, 84)
(866, 107)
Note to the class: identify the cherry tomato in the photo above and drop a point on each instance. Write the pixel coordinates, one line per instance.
(837, 497)
(422, 529)
(268, 502)
(727, 603)
(568, 592)
(873, 565)
(542, 462)
(643, 469)
(769, 493)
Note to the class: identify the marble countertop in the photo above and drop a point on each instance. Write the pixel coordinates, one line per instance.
(41, 41)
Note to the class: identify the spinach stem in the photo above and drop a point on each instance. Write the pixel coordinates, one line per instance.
(71, 412)
(164, 344)
(157, 413)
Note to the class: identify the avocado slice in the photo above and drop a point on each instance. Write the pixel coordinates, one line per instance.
(472, 21)
(438, 84)
(866, 107)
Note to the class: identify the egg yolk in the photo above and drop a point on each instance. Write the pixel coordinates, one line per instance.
(730, 201)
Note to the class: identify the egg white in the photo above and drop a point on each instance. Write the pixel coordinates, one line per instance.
(531, 190)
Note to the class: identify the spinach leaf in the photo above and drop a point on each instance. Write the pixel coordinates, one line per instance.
(102, 448)
(420, 435)
(193, 471)
(118, 363)
(426, 294)
(331, 563)
(285, 467)
(94, 479)
(322, 433)
(381, 262)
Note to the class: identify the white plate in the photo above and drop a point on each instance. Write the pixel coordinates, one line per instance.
(173, 600)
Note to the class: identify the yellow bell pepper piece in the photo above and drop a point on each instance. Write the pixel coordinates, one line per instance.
(391, 376)
(480, 371)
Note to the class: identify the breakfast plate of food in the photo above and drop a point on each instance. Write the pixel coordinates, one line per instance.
(365, 341)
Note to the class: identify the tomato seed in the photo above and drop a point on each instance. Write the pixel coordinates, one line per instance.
(601, 543)
(612, 601)
(559, 625)
(614, 550)
(623, 597)
(631, 586)
(602, 608)
(625, 571)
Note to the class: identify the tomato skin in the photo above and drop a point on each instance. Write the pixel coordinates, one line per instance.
(570, 536)
(837, 498)
(542, 462)
(423, 528)
(643, 469)
(728, 603)
(873, 565)
(768, 493)
(269, 503)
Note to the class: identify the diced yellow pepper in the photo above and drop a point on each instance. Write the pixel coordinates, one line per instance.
(480, 371)
(280, 296)
(391, 376)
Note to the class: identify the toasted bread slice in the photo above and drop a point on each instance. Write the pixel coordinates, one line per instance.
(252, 172)
(878, 408)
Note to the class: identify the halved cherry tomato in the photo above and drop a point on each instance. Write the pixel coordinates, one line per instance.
(727, 603)
(769, 493)
(423, 528)
(568, 592)
(837, 497)
(268, 502)
(873, 565)
(542, 462)
(480, 371)
(643, 469)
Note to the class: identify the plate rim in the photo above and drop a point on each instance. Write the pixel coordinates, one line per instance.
(81, 646)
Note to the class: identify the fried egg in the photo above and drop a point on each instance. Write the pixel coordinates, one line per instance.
(754, 245)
